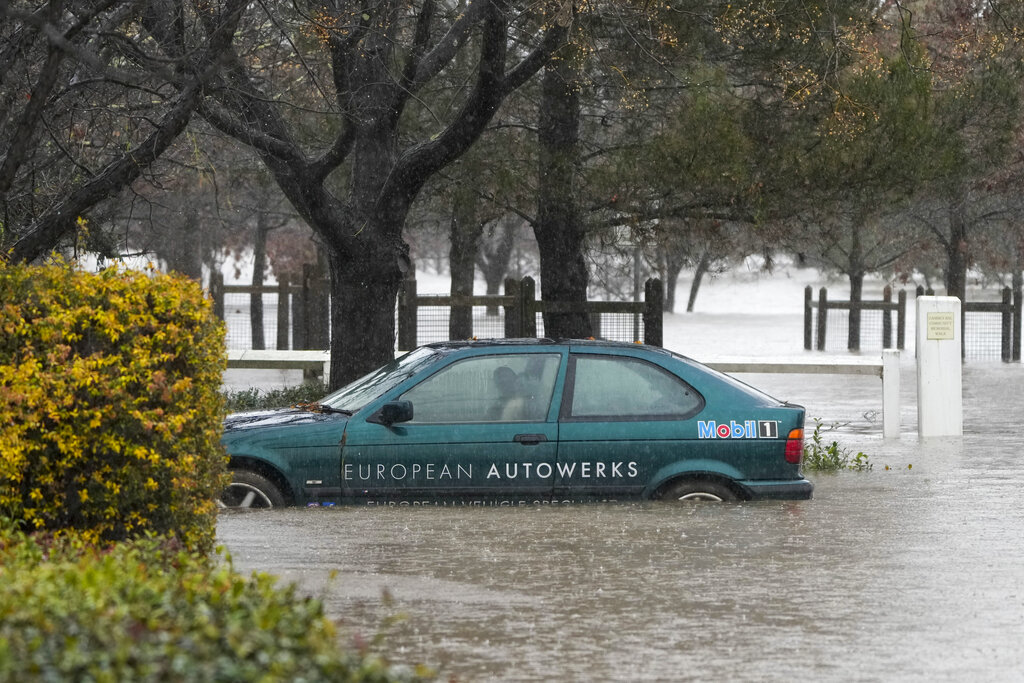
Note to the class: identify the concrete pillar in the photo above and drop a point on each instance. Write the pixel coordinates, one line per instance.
(939, 367)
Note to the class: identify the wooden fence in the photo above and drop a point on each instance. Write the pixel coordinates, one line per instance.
(816, 326)
(520, 307)
(303, 311)
(823, 305)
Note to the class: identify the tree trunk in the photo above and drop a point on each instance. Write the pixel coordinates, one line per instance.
(698, 276)
(465, 242)
(493, 261)
(673, 265)
(259, 265)
(363, 296)
(559, 228)
(957, 259)
(856, 295)
(856, 275)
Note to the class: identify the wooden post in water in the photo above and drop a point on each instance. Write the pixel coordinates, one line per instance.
(1006, 350)
(808, 317)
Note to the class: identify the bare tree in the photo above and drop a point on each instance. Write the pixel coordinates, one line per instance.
(88, 102)
(331, 95)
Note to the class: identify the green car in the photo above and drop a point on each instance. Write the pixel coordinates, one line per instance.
(521, 422)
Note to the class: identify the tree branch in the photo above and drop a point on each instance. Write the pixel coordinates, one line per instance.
(446, 49)
(48, 228)
(491, 86)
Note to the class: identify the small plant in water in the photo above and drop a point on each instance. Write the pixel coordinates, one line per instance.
(821, 456)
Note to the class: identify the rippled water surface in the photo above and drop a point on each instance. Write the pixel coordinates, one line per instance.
(912, 571)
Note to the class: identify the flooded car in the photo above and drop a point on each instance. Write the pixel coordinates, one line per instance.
(521, 422)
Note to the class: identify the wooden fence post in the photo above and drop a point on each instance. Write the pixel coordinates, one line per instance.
(822, 317)
(1007, 327)
(513, 310)
(808, 317)
(528, 305)
(407, 315)
(320, 316)
(654, 303)
(283, 310)
(1018, 304)
(312, 317)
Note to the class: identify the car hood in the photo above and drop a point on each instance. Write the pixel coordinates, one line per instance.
(282, 417)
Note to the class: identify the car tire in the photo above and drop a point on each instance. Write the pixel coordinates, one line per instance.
(249, 490)
(689, 490)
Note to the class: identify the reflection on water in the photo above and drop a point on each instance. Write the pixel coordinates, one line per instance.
(915, 572)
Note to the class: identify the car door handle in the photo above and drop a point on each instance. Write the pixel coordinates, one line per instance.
(530, 439)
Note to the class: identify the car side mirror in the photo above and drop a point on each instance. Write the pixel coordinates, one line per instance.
(393, 413)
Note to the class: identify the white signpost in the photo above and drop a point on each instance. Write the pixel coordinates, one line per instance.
(939, 367)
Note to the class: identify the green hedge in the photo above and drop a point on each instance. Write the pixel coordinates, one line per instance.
(110, 409)
(260, 399)
(146, 611)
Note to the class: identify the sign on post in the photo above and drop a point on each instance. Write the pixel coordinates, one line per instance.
(939, 367)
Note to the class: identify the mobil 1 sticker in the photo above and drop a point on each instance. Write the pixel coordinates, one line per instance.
(747, 429)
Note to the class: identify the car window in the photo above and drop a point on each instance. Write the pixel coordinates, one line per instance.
(503, 388)
(621, 388)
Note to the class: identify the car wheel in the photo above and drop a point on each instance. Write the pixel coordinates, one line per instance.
(250, 490)
(697, 490)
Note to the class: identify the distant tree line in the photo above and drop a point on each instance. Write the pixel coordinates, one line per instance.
(859, 137)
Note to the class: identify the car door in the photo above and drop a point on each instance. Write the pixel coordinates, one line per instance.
(621, 418)
(484, 428)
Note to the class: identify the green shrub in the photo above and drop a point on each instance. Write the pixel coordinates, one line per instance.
(823, 456)
(257, 399)
(146, 611)
(110, 409)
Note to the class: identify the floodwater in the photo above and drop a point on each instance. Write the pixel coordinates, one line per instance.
(913, 571)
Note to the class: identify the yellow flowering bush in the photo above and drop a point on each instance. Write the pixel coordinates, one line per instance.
(110, 409)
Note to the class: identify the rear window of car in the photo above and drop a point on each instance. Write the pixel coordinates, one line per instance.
(623, 388)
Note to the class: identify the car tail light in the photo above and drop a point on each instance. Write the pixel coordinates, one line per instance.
(795, 446)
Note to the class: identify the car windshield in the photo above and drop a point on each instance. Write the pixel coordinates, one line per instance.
(354, 396)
